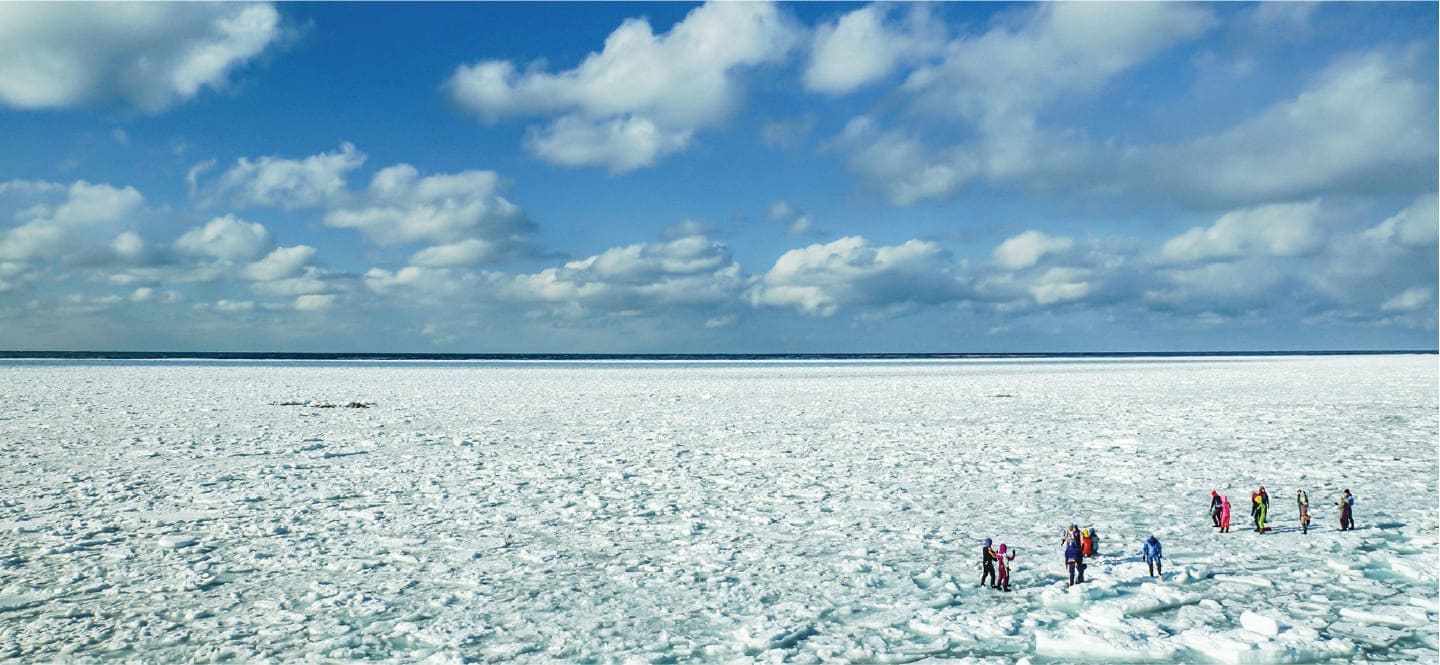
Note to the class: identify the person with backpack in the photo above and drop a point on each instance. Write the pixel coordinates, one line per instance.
(1088, 543)
(987, 565)
(1262, 508)
(1224, 514)
(1215, 508)
(1074, 553)
(1003, 560)
(1303, 501)
(1347, 511)
(1151, 552)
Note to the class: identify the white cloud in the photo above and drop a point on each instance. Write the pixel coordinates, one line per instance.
(1415, 226)
(381, 280)
(466, 252)
(720, 322)
(906, 168)
(997, 84)
(314, 302)
(1287, 229)
(1362, 127)
(227, 238)
(32, 241)
(644, 94)
(286, 183)
(150, 55)
(688, 270)
(312, 280)
(401, 207)
(225, 305)
(63, 220)
(1061, 285)
(621, 144)
(861, 47)
(281, 263)
(1025, 250)
(413, 279)
(88, 204)
(820, 278)
(1408, 300)
(128, 246)
(796, 222)
(1058, 50)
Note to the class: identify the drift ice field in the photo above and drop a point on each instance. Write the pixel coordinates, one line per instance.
(714, 512)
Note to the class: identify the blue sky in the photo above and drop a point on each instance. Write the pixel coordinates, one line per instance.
(733, 177)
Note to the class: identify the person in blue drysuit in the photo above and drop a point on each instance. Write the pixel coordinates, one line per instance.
(1151, 552)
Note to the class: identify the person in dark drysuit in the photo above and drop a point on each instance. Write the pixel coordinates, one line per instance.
(1215, 508)
(1151, 552)
(987, 565)
(1303, 501)
(1347, 511)
(1074, 555)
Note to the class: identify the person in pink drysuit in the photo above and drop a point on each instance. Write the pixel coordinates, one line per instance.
(1224, 514)
(1003, 561)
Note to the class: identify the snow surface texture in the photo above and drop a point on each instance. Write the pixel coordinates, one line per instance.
(167, 511)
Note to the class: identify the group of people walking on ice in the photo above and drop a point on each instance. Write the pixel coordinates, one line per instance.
(1260, 510)
(1081, 544)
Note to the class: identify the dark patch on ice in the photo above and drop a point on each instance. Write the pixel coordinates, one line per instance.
(324, 405)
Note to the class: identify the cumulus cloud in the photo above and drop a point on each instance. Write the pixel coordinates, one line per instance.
(285, 183)
(1408, 300)
(314, 302)
(906, 167)
(281, 263)
(689, 270)
(1061, 285)
(797, 222)
(228, 238)
(620, 144)
(128, 246)
(997, 83)
(148, 55)
(821, 278)
(1415, 226)
(1288, 229)
(865, 45)
(401, 207)
(409, 278)
(1056, 50)
(57, 220)
(1362, 127)
(470, 251)
(1365, 125)
(639, 98)
(231, 306)
(1024, 250)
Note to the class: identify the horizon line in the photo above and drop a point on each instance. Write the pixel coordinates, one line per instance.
(865, 355)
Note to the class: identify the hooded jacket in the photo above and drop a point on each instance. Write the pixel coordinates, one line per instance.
(1151, 551)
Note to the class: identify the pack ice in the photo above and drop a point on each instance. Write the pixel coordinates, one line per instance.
(694, 512)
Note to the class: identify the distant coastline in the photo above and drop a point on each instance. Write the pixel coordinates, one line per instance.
(681, 357)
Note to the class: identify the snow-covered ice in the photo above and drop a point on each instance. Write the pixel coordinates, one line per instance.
(653, 512)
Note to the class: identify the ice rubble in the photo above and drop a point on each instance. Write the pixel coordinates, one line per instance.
(808, 512)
